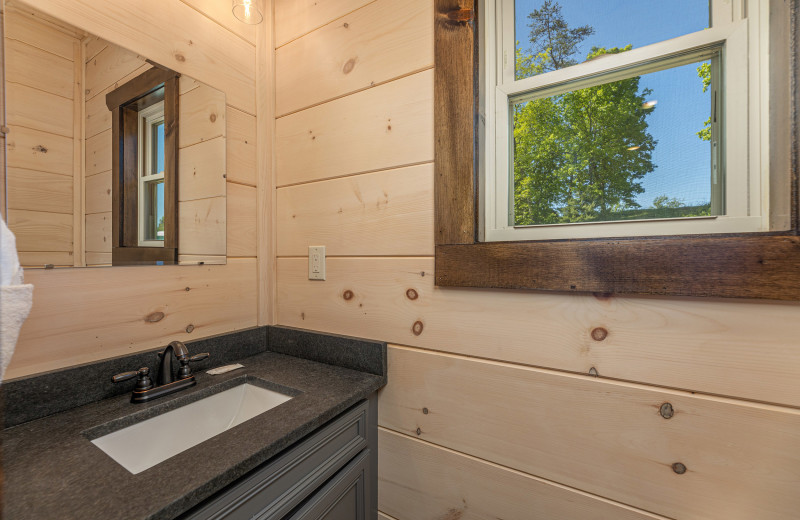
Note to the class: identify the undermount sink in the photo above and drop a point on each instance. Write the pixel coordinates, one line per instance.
(147, 443)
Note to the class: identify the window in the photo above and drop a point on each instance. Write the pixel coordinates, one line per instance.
(626, 118)
(145, 164)
(151, 176)
(737, 237)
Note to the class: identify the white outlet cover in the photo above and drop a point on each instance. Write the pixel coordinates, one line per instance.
(316, 262)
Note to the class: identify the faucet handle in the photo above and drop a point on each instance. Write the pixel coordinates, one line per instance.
(143, 383)
(184, 371)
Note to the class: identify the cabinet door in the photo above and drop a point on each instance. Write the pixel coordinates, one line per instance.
(282, 484)
(341, 498)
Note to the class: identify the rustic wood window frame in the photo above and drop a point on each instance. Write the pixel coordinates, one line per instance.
(762, 265)
(155, 85)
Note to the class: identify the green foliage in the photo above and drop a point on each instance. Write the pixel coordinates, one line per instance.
(160, 224)
(704, 72)
(551, 35)
(572, 161)
(664, 201)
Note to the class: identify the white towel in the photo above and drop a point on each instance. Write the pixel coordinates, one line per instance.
(16, 297)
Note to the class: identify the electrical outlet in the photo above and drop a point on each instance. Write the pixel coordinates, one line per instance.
(316, 262)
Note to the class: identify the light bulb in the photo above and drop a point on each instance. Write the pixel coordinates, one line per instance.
(247, 11)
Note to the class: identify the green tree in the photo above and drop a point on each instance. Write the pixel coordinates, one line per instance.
(550, 35)
(579, 156)
(160, 224)
(664, 201)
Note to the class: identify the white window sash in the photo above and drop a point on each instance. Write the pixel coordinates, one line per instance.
(741, 159)
(148, 118)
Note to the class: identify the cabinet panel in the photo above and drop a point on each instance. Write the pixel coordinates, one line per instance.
(282, 484)
(343, 498)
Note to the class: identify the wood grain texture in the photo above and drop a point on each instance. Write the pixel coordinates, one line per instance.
(98, 259)
(41, 151)
(741, 349)
(455, 102)
(41, 231)
(24, 27)
(38, 259)
(294, 18)
(202, 115)
(734, 267)
(741, 459)
(98, 153)
(383, 213)
(98, 193)
(98, 116)
(57, 333)
(387, 126)
(201, 170)
(241, 146)
(29, 65)
(35, 191)
(108, 67)
(418, 480)
(202, 226)
(93, 46)
(265, 169)
(178, 37)
(220, 12)
(39, 110)
(379, 42)
(242, 203)
(98, 232)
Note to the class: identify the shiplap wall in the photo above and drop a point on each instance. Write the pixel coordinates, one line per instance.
(81, 315)
(43, 76)
(490, 411)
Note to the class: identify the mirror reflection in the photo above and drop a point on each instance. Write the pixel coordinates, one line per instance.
(66, 147)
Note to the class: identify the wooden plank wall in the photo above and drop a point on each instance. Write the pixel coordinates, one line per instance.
(81, 315)
(40, 82)
(507, 404)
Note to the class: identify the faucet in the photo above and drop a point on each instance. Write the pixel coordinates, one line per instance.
(166, 380)
(181, 353)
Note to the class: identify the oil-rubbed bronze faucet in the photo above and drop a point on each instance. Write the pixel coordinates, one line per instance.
(166, 381)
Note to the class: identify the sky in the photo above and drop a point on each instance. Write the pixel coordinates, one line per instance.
(682, 160)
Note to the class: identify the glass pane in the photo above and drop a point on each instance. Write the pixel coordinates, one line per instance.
(153, 218)
(157, 148)
(553, 34)
(638, 148)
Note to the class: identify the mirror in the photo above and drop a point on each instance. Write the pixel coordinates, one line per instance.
(60, 151)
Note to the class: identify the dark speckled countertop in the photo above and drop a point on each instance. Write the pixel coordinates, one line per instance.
(52, 470)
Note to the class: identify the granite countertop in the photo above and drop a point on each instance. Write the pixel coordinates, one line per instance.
(52, 470)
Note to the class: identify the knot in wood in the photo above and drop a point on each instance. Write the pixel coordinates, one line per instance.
(349, 66)
(189, 328)
(212, 117)
(666, 411)
(180, 57)
(347, 295)
(419, 431)
(417, 328)
(679, 468)
(425, 411)
(599, 333)
(460, 15)
(411, 294)
(154, 317)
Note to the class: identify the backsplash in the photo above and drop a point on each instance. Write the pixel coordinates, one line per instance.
(32, 397)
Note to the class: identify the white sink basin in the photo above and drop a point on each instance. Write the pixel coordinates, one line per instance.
(145, 444)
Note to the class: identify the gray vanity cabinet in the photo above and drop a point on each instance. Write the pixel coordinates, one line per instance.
(329, 475)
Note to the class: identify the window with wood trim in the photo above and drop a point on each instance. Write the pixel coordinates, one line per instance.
(145, 169)
(758, 258)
